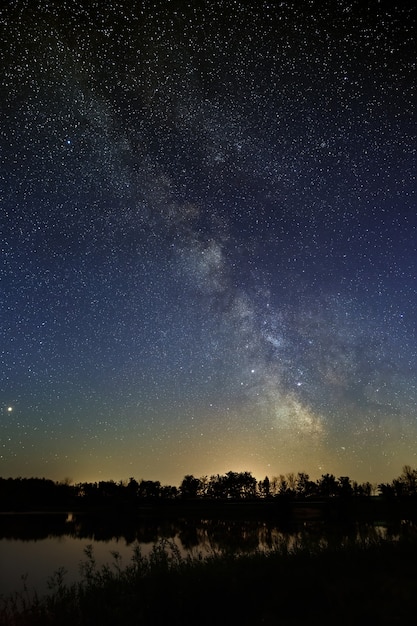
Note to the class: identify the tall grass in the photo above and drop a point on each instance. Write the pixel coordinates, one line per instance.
(357, 581)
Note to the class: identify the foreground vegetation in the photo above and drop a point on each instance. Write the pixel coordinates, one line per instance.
(354, 582)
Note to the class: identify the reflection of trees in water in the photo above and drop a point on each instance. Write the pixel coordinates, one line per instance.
(403, 529)
(225, 536)
(190, 534)
(32, 527)
(203, 535)
(105, 528)
(233, 536)
(210, 536)
(237, 536)
(371, 533)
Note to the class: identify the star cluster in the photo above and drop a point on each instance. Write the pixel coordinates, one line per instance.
(208, 231)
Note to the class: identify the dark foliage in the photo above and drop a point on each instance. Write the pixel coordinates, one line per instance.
(358, 582)
(24, 494)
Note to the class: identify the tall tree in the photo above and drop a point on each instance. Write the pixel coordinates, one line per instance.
(264, 488)
(189, 487)
(328, 486)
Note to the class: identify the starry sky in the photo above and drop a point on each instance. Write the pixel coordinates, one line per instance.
(208, 238)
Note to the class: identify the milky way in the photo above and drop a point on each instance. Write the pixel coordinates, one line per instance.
(208, 238)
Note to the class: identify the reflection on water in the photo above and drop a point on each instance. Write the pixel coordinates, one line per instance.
(37, 545)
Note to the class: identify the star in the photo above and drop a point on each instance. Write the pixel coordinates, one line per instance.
(201, 231)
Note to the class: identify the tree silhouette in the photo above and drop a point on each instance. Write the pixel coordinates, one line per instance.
(305, 487)
(361, 490)
(264, 488)
(169, 493)
(37, 493)
(409, 480)
(189, 488)
(285, 486)
(328, 486)
(149, 489)
(345, 487)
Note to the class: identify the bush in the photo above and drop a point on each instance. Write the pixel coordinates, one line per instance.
(374, 581)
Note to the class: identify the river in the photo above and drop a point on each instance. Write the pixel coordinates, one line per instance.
(35, 546)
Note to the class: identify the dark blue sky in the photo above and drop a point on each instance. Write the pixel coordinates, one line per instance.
(208, 236)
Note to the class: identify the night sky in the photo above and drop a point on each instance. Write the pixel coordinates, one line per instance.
(208, 239)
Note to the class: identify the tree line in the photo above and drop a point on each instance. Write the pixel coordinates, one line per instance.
(232, 486)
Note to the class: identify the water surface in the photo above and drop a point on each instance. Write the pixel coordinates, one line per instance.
(34, 546)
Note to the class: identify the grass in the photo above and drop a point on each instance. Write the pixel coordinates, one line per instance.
(357, 582)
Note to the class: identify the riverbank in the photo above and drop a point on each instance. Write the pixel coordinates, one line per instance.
(355, 582)
(373, 507)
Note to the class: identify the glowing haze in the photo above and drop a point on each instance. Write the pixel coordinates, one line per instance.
(208, 237)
